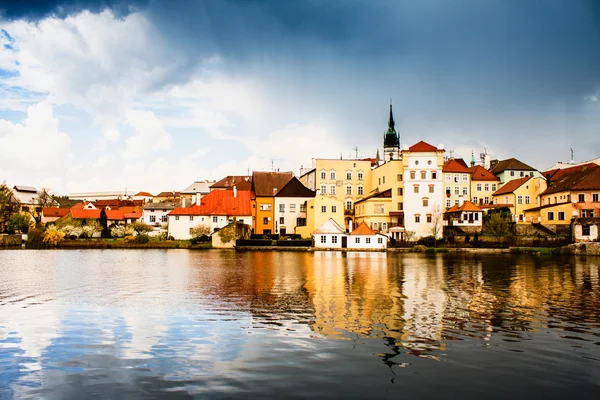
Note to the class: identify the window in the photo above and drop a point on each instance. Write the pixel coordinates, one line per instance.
(348, 189)
(303, 207)
(323, 209)
(177, 218)
(527, 200)
(448, 191)
(379, 181)
(380, 240)
(153, 218)
(191, 217)
(412, 174)
(519, 199)
(399, 191)
(384, 179)
(475, 199)
(448, 203)
(587, 213)
(360, 190)
(448, 178)
(486, 200)
(581, 197)
(595, 197)
(465, 191)
(265, 221)
(292, 208)
(163, 218)
(399, 177)
(465, 178)
(423, 175)
(522, 174)
(349, 205)
(349, 176)
(429, 218)
(333, 209)
(512, 173)
(585, 230)
(416, 162)
(360, 176)
(416, 188)
(561, 216)
(215, 219)
(494, 187)
(323, 175)
(265, 207)
(332, 175)
(487, 187)
(323, 189)
(164, 211)
(425, 202)
(434, 175)
(417, 218)
(323, 239)
(281, 220)
(550, 216)
(334, 239)
(479, 187)
(384, 226)
(456, 177)
(332, 189)
(456, 190)
(431, 189)
(357, 240)
(400, 206)
(368, 240)
(378, 209)
(300, 221)
(282, 208)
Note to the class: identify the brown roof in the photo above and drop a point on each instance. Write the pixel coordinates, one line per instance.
(145, 194)
(455, 165)
(422, 147)
(555, 174)
(466, 206)
(584, 179)
(510, 164)
(295, 188)
(363, 229)
(478, 173)
(511, 186)
(267, 184)
(241, 182)
(385, 193)
(168, 194)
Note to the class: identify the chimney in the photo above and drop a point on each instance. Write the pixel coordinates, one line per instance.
(183, 202)
(234, 192)
(198, 198)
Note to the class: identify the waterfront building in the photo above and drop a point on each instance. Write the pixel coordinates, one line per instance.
(374, 211)
(290, 206)
(483, 185)
(467, 215)
(457, 182)
(519, 195)
(157, 214)
(319, 210)
(265, 186)
(330, 235)
(364, 237)
(423, 208)
(509, 169)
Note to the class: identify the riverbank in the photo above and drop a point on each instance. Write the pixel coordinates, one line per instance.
(587, 249)
(123, 244)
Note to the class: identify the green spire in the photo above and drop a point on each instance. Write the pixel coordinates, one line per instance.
(390, 139)
(472, 159)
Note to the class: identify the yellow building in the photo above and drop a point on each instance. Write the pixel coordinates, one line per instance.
(318, 211)
(520, 195)
(483, 185)
(265, 186)
(346, 180)
(375, 211)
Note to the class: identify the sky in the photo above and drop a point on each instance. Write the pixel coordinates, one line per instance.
(151, 95)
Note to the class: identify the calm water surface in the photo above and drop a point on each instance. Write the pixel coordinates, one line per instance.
(212, 324)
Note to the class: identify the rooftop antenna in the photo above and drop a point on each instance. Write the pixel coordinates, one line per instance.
(356, 151)
(572, 159)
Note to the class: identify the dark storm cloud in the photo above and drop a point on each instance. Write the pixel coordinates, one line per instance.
(37, 9)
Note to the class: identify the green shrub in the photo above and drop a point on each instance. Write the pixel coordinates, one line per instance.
(35, 239)
(419, 248)
(18, 223)
(141, 239)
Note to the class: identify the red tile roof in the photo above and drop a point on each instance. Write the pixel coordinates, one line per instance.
(55, 212)
(578, 179)
(132, 215)
(363, 229)
(511, 186)
(466, 206)
(555, 174)
(79, 213)
(422, 147)
(220, 202)
(478, 173)
(455, 165)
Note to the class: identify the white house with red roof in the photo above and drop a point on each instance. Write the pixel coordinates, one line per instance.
(423, 189)
(330, 235)
(467, 214)
(215, 210)
(364, 237)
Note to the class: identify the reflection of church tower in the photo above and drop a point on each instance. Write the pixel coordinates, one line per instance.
(391, 141)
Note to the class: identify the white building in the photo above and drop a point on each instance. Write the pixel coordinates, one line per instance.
(364, 237)
(423, 189)
(467, 214)
(95, 196)
(215, 210)
(290, 206)
(330, 235)
(157, 214)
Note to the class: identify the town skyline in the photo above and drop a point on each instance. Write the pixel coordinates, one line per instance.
(117, 97)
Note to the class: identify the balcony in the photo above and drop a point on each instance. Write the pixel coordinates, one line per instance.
(348, 211)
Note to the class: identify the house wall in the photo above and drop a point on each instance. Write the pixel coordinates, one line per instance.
(478, 196)
(258, 223)
(366, 211)
(506, 176)
(362, 239)
(308, 180)
(289, 217)
(413, 202)
(158, 215)
(451, 185)
(468, 214)
(179, 225)
(315, 217)
(532, 188)
(328, 241)
(340, 182)
(578, 235)
(390, 176)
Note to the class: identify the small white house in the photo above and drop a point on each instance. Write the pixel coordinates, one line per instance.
(330, 235)
(156, 214)
(467, 214)
(364, 237)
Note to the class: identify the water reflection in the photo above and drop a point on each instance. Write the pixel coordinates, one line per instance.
(192, 323)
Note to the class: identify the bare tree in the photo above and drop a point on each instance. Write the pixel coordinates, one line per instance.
(42, 200)
(436, 223)
(9, 205)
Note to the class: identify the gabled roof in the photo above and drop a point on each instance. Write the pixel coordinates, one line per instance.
(555, 174)
(242, 182)
(578, 179)
(29, 189)
(511, 186)
(478, 173)
(198, 187)
(267, 184)
(295, 188)
(466, 206)
(160, 206)
(143, 194)
(132, 215)
(168, 194)
(455, 165)
(79, 213)
(55, 212)
(384, 194)
(329, 227)
(363, 229)
(511, 164)
(220, 202)
(422, 147)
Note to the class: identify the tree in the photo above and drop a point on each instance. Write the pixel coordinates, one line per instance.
(498, 223)
(43, 200)
(104, 224)
(18, 223)
(409, 235)
(140, 228)
(9, 205)
(199, 230)
(436, 223)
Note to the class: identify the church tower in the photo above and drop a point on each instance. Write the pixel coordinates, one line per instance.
(391, 141)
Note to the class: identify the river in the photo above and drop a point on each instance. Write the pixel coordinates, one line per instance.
(220, 324)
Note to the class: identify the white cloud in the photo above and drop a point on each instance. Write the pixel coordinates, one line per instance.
(111, 134)
(149, 134)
